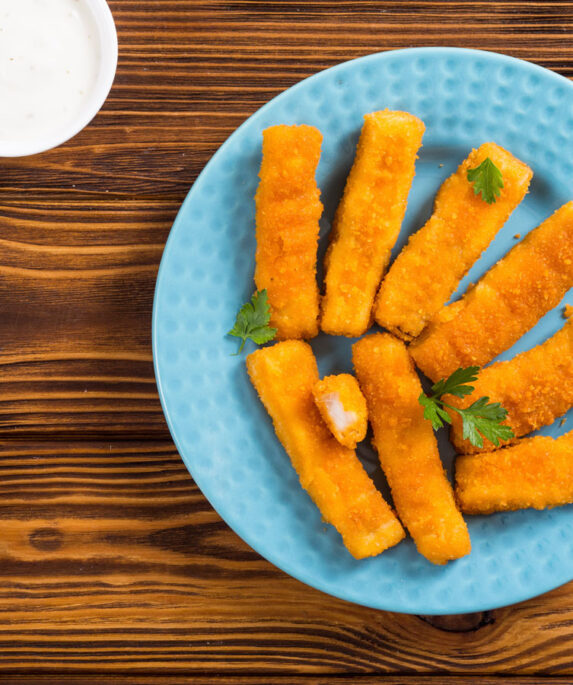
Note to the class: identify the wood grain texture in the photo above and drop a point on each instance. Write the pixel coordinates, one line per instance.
(110, 678)
(218, 679)
(111, 555)
(114, 568)
(76, 283)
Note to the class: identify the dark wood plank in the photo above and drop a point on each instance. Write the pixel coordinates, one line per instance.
(191, 71)
(216, 679)
(111, 555)
(76, 283)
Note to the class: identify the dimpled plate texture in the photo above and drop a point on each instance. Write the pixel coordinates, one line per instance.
(220, 428)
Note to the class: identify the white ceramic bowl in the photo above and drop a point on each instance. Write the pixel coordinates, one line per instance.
(107, 67)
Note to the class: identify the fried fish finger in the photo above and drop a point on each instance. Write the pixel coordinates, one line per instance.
(368, 219)
(284, 376)
(511, 297)
(535, 387)
(343, 408)
(407, 448)
(535, 473)
(427, 271)
(288, 209)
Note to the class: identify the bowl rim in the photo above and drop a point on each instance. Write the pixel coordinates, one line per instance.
(105, 23)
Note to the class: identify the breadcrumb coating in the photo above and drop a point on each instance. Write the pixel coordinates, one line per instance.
(535, 473)
(288, 209)
(427, 271)
(511, 297)
(408, 450)
(342, 407)
(535, 387)
(368, 219)
(284, 376)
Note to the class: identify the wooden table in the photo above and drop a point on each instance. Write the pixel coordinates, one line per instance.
(114, 567)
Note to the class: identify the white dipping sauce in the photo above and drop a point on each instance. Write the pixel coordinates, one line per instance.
(49, 63)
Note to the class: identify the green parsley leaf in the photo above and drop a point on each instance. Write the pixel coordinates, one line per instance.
(480, 420)
(433, 412)
(486, 419)
(487, 180)
(456, 383)
(252, 321)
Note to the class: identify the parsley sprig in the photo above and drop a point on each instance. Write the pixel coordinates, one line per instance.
(487, 180)
(252, 321)
(479, 420)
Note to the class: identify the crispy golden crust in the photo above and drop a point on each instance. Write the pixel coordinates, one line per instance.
(368, 219)
(284, 376)
(427, 271)
(288, 210)
(512, 296)
(342, 407)
(535, 387)
(408, 450)
(535, 473)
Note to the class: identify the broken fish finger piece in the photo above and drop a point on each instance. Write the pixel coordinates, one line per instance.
(368, 219)
(284, 376)
(506, 302)
(342, 407)
(288, 210)
(535, 387)
(535, 473)
(427, 271)
(408, 449)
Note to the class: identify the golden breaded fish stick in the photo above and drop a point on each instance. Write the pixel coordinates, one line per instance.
(408, 450)
(342, 407)
(535, 473)
(287, 212)
(427, 271)
(535, 387)
(368, 219)
(507, 301)
(284, 376)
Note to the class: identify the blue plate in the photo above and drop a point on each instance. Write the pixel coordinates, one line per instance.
(221, 430)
